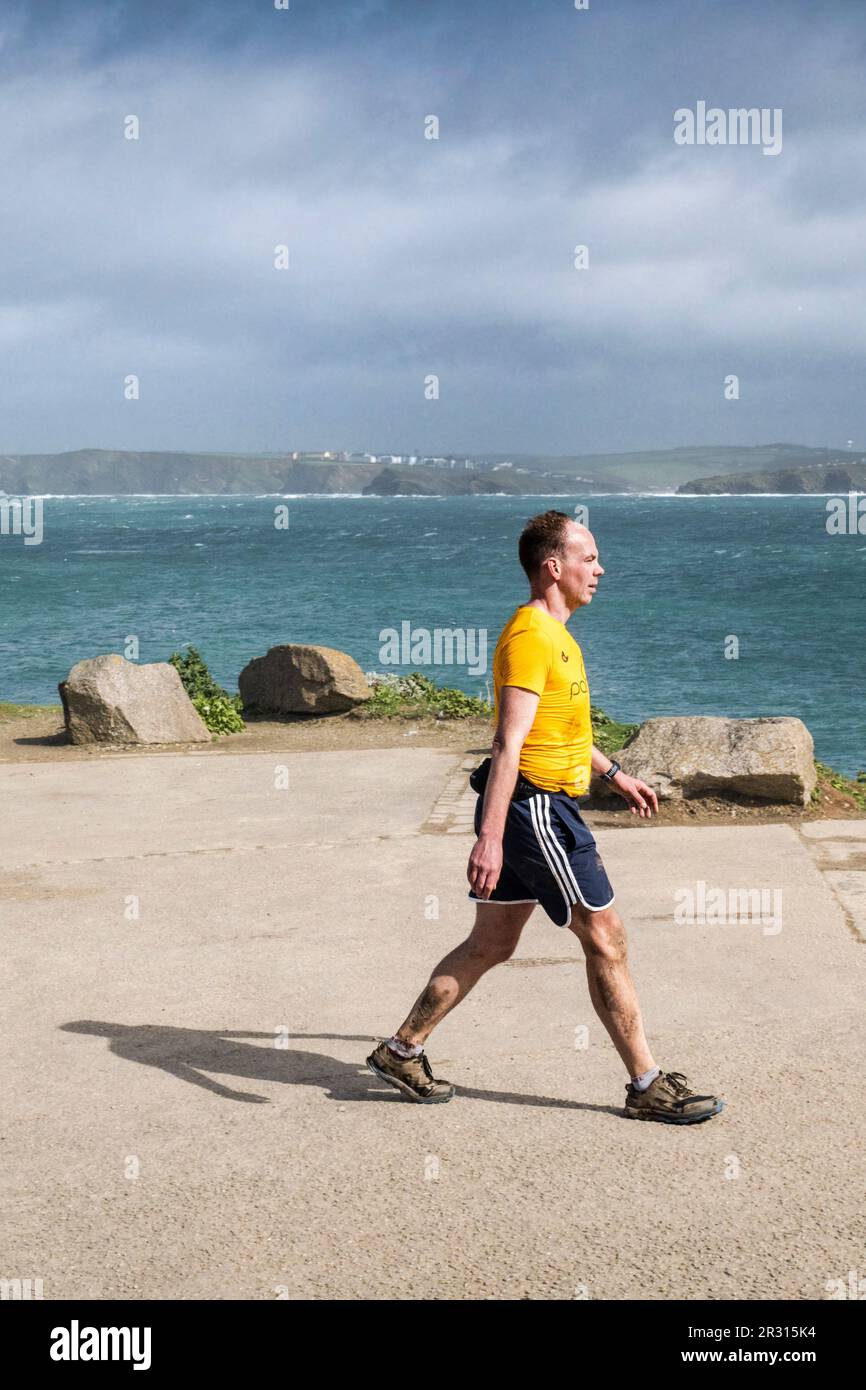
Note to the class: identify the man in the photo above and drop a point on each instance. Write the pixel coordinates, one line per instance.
(533, 845)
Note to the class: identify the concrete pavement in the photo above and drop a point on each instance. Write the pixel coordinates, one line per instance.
(198, 951)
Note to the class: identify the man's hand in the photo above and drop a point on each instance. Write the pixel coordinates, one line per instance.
(641, 798)
(485, 865)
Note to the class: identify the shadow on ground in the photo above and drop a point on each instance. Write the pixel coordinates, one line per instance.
(190, 1053)
(46, 740)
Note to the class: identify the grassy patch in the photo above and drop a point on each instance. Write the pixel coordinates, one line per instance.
(10, 711)
(608, 734)
(416, 696)
(855, 787)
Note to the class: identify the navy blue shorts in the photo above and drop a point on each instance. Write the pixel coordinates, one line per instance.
(549, 857)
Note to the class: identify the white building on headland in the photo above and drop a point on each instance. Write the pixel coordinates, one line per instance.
(327, 454)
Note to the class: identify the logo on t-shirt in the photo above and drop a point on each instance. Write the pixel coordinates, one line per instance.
(577, 687)
(564, 657)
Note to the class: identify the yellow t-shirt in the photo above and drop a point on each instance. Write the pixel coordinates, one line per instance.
(539, 653)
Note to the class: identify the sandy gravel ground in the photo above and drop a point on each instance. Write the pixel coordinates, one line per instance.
(198, 957)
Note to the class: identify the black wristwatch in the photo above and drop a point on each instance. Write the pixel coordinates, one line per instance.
(614, 768)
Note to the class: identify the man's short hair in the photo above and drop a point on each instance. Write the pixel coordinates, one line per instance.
(542, 536)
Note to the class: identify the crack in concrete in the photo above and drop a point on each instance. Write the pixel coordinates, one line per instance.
(294, 846)
(814, 845)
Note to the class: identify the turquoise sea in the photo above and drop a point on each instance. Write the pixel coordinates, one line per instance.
(683, 574)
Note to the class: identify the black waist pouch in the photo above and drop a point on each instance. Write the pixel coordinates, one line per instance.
(478, 781)
(478, 777)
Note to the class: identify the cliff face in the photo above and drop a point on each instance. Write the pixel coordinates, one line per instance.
(430, 482)
(840, 476)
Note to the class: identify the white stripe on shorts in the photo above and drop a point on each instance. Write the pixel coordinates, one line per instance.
(567, 870)
(535, 805)
(568, 884)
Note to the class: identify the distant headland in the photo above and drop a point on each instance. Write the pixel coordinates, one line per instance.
(839, 475)
(694, 469)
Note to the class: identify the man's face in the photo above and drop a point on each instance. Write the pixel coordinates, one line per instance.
(579, 569)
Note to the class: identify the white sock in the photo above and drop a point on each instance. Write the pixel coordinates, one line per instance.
(646, 1079)
(404, 1049)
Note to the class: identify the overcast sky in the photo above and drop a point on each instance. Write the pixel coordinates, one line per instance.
(411, 256)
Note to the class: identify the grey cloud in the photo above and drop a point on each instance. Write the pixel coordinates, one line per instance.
(454, 256)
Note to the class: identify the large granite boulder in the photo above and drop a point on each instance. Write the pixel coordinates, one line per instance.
(770, 759)
(111, 700)
(296, 679)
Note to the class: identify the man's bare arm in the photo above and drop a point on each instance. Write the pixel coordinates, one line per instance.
(641, 798)
(600, 761)
(517, 708)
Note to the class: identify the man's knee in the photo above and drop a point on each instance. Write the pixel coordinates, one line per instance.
(488, 951)
(496, 933)
(600, 933)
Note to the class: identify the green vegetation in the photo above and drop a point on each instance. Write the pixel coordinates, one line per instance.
(415, 695)
(10, 711)
(220, 711)
(608, 734)
(854, 788)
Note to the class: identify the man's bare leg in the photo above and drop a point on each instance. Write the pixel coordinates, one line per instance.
(611, 989)
(492, 940)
